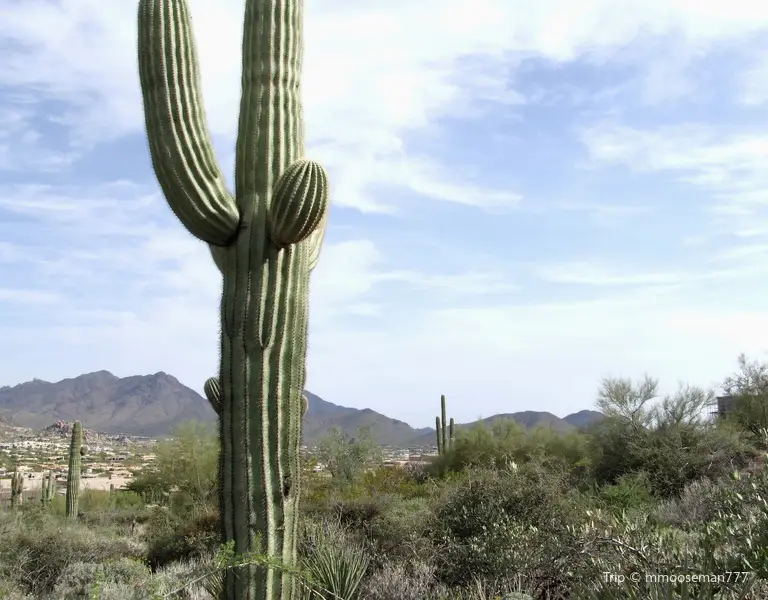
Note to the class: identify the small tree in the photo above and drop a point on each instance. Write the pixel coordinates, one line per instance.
(749, 388)
(186, 463)
(670, 440)
(347, 457)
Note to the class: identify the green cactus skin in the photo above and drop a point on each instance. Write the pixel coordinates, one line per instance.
(73, 473)
(212, 389)
(445, 435)
(265, 239)
(48, 489)
(443, 422)
(17, 490)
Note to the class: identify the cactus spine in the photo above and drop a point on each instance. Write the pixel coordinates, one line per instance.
(17, 490)
(48, 489)
(73, 473)
(265, 239)
(444, 435)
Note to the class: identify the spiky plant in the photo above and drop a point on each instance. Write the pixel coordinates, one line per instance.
(17, 490)
(73, 472)
(444, 434)
(265, 238)
(335, 565)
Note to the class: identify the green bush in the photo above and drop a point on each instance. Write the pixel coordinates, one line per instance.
(631, 491)
(400, 532)
(494, 523)
(178, 540)
(81, 580)
(39, 556)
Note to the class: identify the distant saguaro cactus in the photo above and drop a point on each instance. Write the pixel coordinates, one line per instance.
(76, 450)
(48, 489)
(265, 239)
(444, 438)
(17, 490)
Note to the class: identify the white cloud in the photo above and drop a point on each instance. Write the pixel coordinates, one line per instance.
(583, 273)
(27, 296)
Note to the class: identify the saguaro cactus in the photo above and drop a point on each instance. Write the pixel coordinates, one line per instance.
(17, 490)
(265, 239)
(76, 450)
(48, 489)
(444, 438)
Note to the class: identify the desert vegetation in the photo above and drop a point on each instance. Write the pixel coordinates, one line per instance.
(658, 500)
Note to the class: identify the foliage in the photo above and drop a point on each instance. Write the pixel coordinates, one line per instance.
(749, 388)
(670, 441)
(345, 457)
(335, 564)
(177, 540)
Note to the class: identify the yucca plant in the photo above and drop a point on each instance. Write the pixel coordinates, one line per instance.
(334, 565)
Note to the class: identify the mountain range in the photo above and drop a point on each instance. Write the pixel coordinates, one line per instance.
(151, 405)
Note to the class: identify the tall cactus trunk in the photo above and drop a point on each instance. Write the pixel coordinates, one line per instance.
(47, 489)
(265, 240)
(445, 432)
(73, 472)
(17, 490)
(443, 422)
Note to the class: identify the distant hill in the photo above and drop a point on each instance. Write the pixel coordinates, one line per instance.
(584, 418)
(139, 405)
(528, 419)
(151, 405)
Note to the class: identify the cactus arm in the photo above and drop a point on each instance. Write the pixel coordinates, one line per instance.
(179, 142)
(439, 436)
(212, 390)
(450, 434)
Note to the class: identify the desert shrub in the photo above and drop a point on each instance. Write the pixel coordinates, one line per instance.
(182, 580)
(413, 580)
(347, 457)
(39, 556)
(631, 491)
(81, 580)
(670, 441)
(400, 532)
(697, 504)
(178, 540)
(393, 480)
(740, 530)
(358, 514)
(9, 590)
(499, 522)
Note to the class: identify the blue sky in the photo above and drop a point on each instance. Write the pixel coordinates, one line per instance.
(527, 197)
